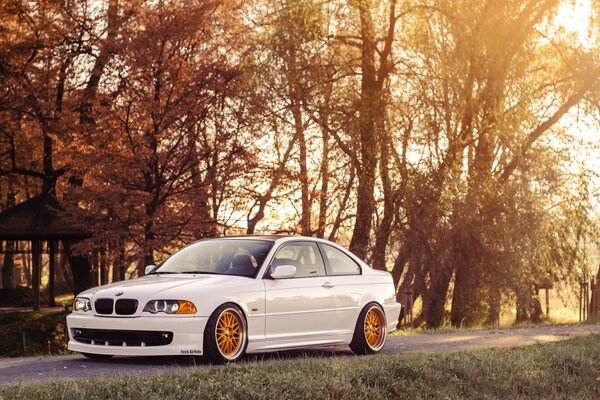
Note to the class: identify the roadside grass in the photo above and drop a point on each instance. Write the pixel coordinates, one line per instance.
(32, 333)
(560, 370)
(448, 328)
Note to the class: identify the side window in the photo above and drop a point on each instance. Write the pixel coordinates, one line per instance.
(338, 262)
(302, 255)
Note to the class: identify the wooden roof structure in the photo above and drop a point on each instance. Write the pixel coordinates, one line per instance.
(39, 218)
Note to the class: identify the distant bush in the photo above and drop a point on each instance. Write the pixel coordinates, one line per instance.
(32, 333)
(20, 296)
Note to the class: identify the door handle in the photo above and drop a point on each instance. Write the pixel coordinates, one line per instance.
(328, 285)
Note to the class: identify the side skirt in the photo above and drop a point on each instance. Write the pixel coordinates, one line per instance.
(291, 344)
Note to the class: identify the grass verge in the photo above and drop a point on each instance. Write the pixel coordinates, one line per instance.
(568, 369)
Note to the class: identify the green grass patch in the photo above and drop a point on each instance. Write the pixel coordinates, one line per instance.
(448, 328)
(561, 370)
(32, 333)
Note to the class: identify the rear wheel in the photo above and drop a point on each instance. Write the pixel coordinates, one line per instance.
(225, 336)
(97, 356)
(370, 331)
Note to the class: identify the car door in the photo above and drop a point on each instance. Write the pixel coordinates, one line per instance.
(303, 306)
(342, 272)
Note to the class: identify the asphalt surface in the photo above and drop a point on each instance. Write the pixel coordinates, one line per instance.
(27, 370)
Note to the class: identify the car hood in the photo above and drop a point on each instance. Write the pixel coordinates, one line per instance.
(157, 285)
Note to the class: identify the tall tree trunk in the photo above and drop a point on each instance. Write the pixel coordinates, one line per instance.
(8, 266)
(118, 260)
(103, 265)
(81, 269)
(26, 264)
(296, 97)
(342, 209)
(107, 49)
(367, 136)
(36, 258)
(324, 170)
(385, 227)
(148, 246)
(371, 113)
(304, 190)
(65, 278)
(8, 263)
(464, 298)
(494, 307)
(51, 272)
(435, 302)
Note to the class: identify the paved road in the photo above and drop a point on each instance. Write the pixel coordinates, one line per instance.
(44, 369)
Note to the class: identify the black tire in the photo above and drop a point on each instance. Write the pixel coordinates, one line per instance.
(360, 343)
(214, 351)
(97, 356)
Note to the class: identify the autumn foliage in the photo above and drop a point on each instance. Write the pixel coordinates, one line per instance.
(434, 138)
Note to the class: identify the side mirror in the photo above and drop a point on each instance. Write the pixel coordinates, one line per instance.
(283, 272)
(149, 268)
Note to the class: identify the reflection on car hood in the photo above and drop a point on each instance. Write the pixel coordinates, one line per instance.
(157, 284)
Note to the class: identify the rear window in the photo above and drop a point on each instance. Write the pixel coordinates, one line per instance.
(338, 262)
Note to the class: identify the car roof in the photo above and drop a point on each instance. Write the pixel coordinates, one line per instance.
(271, 238)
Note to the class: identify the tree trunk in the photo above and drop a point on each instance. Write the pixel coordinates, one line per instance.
(435, 303)
(367, 136)
(36, 259)
(370, 121)
(65, 279)
(207, 226)
(103, 265)
(81, 269)
(493, 316)
(8, 266)
(385, 227)
(464, 298)
(148, 246)
(322, 223)
(338, 219)
(26, 264)
(51, 273)
(118, 261)
(304, 190)
(529, 308)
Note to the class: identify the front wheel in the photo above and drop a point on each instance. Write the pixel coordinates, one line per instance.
(225, 336)
(370, 331)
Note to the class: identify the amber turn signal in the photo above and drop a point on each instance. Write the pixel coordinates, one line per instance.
(186, 307)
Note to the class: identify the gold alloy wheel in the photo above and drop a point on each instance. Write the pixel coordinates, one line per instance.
(229, 333)
(374, 327)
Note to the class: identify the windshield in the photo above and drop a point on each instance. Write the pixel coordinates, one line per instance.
(223, 257)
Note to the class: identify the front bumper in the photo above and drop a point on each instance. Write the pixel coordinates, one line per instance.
(188, 334)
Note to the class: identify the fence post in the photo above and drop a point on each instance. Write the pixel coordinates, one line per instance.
(584, 301)
(547, 303)
(409, 308)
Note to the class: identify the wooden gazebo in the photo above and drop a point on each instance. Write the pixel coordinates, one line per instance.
(38, 220)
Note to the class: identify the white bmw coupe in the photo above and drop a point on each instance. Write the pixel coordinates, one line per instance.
(225, 297)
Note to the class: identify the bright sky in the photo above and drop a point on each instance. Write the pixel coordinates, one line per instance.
(575, 18)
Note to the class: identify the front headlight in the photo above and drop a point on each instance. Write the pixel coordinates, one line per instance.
(170, 307)
(82, 304)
